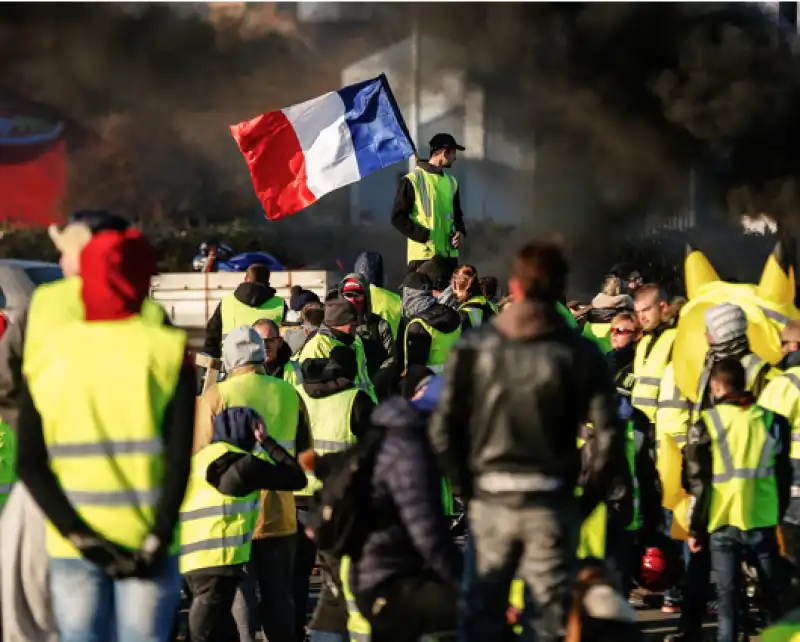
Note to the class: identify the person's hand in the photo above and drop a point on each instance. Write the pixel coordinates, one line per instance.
(694, 545)
(115, 560)
(512, 616)
(457, 240)
(307, 460)
(149, 557)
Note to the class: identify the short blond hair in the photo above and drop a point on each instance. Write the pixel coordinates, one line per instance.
(612, 286)
(625, 316)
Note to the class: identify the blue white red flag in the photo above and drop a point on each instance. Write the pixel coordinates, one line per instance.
(298, 154)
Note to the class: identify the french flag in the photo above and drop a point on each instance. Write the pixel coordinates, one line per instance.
(298, 154)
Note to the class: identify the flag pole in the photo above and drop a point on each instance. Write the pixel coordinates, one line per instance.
(415, 84)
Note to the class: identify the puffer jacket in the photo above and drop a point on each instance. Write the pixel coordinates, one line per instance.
(515, 393)
(605, 308)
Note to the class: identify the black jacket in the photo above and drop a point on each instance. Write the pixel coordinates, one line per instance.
(698, 468)
(514, 395)
(620, 364)
(275, 369)
(404, 207)
(418, 346)
(252, 294)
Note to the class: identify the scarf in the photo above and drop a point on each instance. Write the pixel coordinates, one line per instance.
(735, 348)
(448, 298)
(415, 302)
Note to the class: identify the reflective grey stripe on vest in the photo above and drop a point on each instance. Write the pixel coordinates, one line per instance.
(5, 489)
(791, 376)
(514, 483)
(107, 448)
(226, 510)
(775, 316)
(475, 317)
(112, 498)
(233, 541)
(423, 194)
(647, 402)
(764, 469)
(298, 372)
(674, 401)
(436, 369)
(333, 446)
(359, 637)
(289, 444)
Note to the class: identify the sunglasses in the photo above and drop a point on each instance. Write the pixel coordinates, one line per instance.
(353, 295)
(622, 331)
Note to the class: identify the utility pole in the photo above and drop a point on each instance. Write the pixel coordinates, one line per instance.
(414, 112)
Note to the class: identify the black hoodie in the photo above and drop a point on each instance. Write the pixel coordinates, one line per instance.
(252, 294)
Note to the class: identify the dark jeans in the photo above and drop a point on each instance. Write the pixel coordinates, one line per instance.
(729, 545)
(304, 560)
(696, 589)
(410, 608)
(536, 544)
(272, 567)
(791, 542)
(210, 616)
(623, 553)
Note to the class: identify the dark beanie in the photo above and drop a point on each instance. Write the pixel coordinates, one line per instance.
(340, 312)
(438, 271)
(417, 281)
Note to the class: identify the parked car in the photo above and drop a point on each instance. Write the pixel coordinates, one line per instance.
(18, 280)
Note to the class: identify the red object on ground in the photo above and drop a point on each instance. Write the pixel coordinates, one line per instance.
(658, 571)
(32, 182)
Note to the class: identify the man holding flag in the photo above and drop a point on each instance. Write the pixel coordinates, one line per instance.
(427, 208)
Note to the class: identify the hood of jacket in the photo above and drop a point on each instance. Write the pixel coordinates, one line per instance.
(529, 320)
(253, 294)
(416, 301)
(236, 426)
(370, 266)
(364, 284)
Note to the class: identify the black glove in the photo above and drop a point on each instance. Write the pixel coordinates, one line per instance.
(115, 560)
(150, 557)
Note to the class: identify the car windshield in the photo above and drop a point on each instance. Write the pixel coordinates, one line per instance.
(46, 274)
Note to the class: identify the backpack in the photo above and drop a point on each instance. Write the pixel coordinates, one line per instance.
(340, 516)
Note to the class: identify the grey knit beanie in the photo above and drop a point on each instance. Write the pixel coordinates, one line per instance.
(725, 322)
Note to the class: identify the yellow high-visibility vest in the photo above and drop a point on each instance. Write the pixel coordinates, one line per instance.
(358, 627)
(600, 333)
(433, 210)
(329, 422)
(743, 446)
(274, 399)
(320, 346)
(474, 309)
(782, 396)
(649, 369)
(8, 461)
(441, 345)
(388, 306)
(592, 542)
(55, 304)
(102, 425)
(236, 314)
(216, 529)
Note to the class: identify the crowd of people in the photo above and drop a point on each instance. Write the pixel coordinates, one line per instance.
(586, 460)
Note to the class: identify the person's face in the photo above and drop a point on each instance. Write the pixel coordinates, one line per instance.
(449, 157)
(350, 329)
(788, 347)
(356, 298)
(716, 389)
(649, 311)
(272, 342)
(623, 333)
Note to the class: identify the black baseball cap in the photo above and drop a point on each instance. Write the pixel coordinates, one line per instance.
(444, 141)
